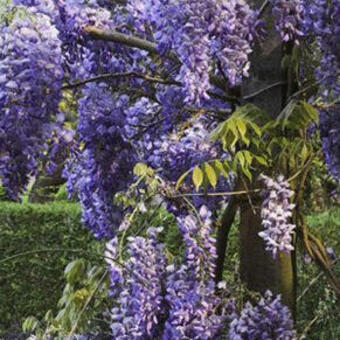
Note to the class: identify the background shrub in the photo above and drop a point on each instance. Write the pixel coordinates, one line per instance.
(32, 283)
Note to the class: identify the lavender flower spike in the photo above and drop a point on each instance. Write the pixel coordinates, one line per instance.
(276, 212)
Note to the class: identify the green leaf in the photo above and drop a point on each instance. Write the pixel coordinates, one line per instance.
(297, 115)
(221, 168)
(211, 174)
(75, 271)
(248, 156)
(304, 152)
(30, 324)
(181, 179)
(233, 128)
(140, 169)
(261, 160)
(256, 128)
(313, 113)
(247, 172)
(197, 177)
(241, 126)
(240, 157)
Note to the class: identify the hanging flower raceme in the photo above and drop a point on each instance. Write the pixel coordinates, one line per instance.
(155, 300)
(199, 32)
(321, 19)
(30, 83)
(330, 136)
(276, 213)
(269, 319)
(190, 287)
(104, 166)
(288, 19)
(137, 288)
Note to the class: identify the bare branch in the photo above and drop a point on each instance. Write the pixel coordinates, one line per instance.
(107, 76)
(226, 193)
(124, 39)
(263, 7)
(254, 94)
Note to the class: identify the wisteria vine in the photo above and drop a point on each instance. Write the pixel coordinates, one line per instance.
(164, 124)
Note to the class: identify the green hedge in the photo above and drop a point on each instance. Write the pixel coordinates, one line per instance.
(32, 282)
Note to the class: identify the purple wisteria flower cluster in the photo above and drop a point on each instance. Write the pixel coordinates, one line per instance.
(288, 19)
(268, 320)
(155, 299)
(104, 166)
(137, 288)
(201, 32)
(276, 212)
(330, 135)
(30, 82)
(321, 19)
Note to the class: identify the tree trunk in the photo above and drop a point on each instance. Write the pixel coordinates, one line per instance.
(258, 270)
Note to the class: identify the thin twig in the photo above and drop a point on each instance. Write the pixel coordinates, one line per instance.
(263, 7)
(256, 93)
(158, 80)
(312, 283)
(107, 76)
(37, 251)
(248, 196)
(294, 95)
(308, 327)
(226, 193)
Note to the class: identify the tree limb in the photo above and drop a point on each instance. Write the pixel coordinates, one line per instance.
(124, 39)
(107, 76)
(96, 33)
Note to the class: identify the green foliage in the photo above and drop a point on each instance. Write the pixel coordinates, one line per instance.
(81, 306)
(61, 194)
(240, 135)
(256, 143)
(318, 306)
(31, 283)
(240, 126)
(86, 284)
(297, 115)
